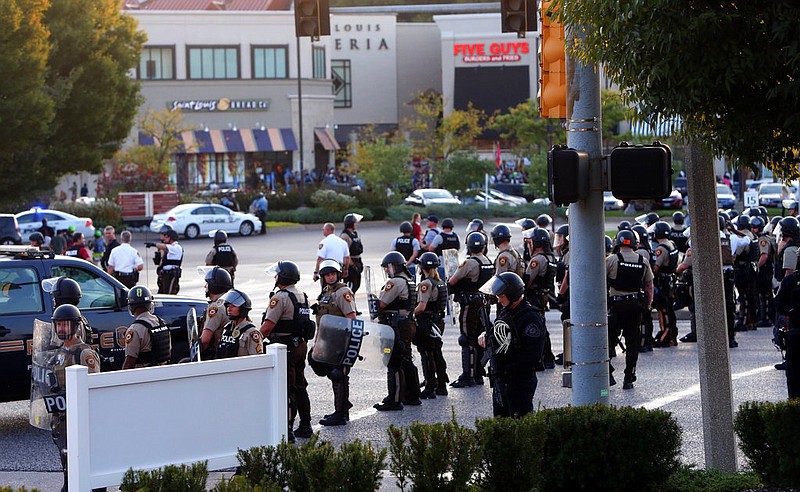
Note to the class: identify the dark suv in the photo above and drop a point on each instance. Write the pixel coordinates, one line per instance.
(9, 230)
(104, 304)
(680, 185)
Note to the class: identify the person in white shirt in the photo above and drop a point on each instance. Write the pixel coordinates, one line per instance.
(332, 247)
(124, 262)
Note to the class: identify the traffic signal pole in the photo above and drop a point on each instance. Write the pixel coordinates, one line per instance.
(587, 281)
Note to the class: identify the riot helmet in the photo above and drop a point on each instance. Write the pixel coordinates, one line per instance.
(508, 284)
(543, 220)
(762, 211)
(757, 223)
(394, 262)
(286, 271)
(541, 239)
(66, 291)
(651, 218)
(330, 266)
(732, 214)
(70, 314)
(562, 236)
(678, 218)
(661, 230)
(350, 220)
(642, 236)
(475, 225)
(165, 229)
(742, 222)
(218, 280)
(790, 227)
(429, 260)
(406, 228)
(220, 237)
(476, 242)
(236, 297)
(501, 234)
(722, 222)
(609, 244)
(37, 237)
(525, 223)
(626, 238)
(624, 226)
(448, 224)
(139, 296)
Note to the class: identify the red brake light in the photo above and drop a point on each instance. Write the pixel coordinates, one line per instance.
(171, 219)
(88, 222)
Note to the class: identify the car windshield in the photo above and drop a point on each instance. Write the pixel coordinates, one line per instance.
(723, 190)
(437, 194)
(771, 189)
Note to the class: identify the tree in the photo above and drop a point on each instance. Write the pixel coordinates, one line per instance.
(435, 136)
(528, 133)
(462, 170)
(382, 165)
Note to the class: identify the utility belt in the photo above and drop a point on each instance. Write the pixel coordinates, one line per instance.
(291, 341)
(627, 297)
(123, 274)
(176, 271)
(467, 297)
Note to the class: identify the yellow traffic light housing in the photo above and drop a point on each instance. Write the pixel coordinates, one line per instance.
(552, 65)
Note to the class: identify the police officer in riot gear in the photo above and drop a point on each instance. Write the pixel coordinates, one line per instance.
(218, 282)
(287, 321)
(666, 262)
(239, 336)
(476, 225)
(147, 340)
(543, 222)
(65, 290)
(429, 313)
(525, 224)
(787, 303)
(465, 284)
(223, 255)
(744, 275)
(630, 285)
(508, 259)
(513, 342)
(676, 232)
(765, 244)
(539, 278)
(728, 246)
(356, 247)
(447, 239)
(561, 248)
(787, 247)
(644, 250)
(408, 246)
(168, 257)
(335, 299)
(396, 304)
(684, 293)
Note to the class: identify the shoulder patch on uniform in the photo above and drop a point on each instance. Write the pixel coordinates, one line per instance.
(128, 337)
(463, 263)
(688, 252)
(423, 288)
(658, 251)
(212, 311)
(320, 246)
(762, 243)
(347, 297)
(254, 335)
(273, 302)
(502, 261)
(90, 361)
(388, 286)
(534, 263)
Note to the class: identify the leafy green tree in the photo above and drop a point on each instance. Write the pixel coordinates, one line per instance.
(526, 130)
(382, 164)
(435, 136)
(462, 170)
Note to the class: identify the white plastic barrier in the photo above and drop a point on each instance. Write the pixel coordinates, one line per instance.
(156, 416)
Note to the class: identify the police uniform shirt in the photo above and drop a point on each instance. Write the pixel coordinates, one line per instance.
(211, 254)
(430, 235)
(174, 252)
(766, 245)
(426, 292)
(687, 258)
(612, 262)
(395, 288)
(469, 269)
(789, 258)
(137, 338)
(281, 307)
(216, 318)
(332, 247)
(87, 356)
(506, 261)
(741, 245)
(414, 245)
(537, 267)
(662, 256)
(125, 259)
(339, 299)
(347, 239)
(251, 342)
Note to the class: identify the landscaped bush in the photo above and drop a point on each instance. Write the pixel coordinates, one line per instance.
(102, 212)
(332, 201)
(314, 215)
(597, 447)
(768, 438)
(687, 479)
(439, 456)
(511, 452)
(170, 478)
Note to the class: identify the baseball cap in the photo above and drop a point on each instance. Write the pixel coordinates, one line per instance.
(433, 218)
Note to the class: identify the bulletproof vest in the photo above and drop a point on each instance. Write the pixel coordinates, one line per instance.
(449, 241)
(66, 357)
(646, 253)
(224, 255)
(160, 343)
(356, 247)
(755, 251)
(629, 275)
(677, 237)
(672, 251)
(403, 246)
(229, 342)
(165, 261)
(437, 307)
(72, 251)
(407, 304)
(546, 282)
(326, 306)
(485, 273)
(301, 318)
(779, 270)
(725, 246)
(561, 270)
(520, 264)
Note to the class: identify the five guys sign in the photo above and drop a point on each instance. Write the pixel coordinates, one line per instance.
(509, 51)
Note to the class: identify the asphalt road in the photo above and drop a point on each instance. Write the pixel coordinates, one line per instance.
(667, 378)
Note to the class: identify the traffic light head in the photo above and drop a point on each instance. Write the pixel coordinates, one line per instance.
(312, 18)
(552, 65)
(568, 175)
(641, 172)
(518, 16)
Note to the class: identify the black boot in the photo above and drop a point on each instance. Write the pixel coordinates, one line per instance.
(336, 418)
(304, 430)
(467, 378)
(395, 382)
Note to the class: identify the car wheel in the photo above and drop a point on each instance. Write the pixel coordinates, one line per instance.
(246, 228)
(7, 240)
(192, 232)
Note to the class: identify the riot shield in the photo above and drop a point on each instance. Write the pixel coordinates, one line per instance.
(450, 262)
(195, 347)
(47, 393)
(372, 296)
(343, 341)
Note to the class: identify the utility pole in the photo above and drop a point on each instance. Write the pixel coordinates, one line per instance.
(301, 184)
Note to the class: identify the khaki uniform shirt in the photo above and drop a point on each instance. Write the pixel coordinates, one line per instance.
(662, 258)
(537, 267)
(281, 307)
(215, 319)
(766, 245)
(339, 300)
(611, 270)
(687, 258)
(508, 260)
(470, 269)
(426, 292)
(395, 288)
(137, 338)
(251, 342)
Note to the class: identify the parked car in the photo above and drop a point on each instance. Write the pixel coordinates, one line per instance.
(610, 202)
(104, 304)
(673, 201)
(481, 197)
(512, 199)
(681, 185)
(195, 219)
(9, 230)
(431, 196)
(725, 197)
(31, 220)
(773, 194)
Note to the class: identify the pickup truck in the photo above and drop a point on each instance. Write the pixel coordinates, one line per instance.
(104, 304)
(139, 207)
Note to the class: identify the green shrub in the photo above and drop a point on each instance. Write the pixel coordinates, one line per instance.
(512, 453)
(764, 437)
(439, 456)
(171, 478)
(238, 483)
(314, 215)
(403, 212)
(20, 489)
(103, 212)
(687, 479)
(597, 447)
(332, 201)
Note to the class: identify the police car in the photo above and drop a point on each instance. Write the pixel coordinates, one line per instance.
(194, 219)
(31, 220)
(104, 304)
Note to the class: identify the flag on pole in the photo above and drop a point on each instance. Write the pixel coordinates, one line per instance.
(497, 160)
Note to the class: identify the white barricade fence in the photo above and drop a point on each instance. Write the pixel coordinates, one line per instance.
(180, 414)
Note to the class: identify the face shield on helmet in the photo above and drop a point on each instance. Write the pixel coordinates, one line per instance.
(330, 266)
(67, 321)
(63, 290)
